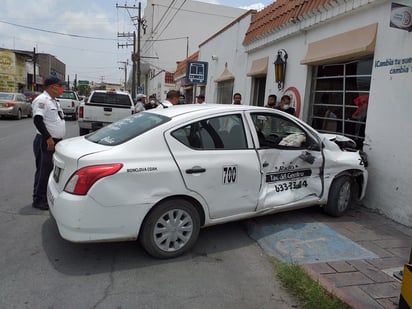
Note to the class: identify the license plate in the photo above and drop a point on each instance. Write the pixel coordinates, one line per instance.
(56, 174)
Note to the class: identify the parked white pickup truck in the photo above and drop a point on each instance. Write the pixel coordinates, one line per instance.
(69, 102)
(104, 107)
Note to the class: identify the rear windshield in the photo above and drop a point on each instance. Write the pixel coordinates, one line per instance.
(111, 98)
(68, 95)
(126, 129)
(6, 96)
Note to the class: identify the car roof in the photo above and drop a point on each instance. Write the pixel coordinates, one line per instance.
(209, 108)
(113, 91)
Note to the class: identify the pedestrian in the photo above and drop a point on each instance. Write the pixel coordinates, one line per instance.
(172, 98)
(200, 99)
(182, 99)
(237, 98)
(272, 98)
(151, 104)
(139, 103)
(49, 121)
(285, 105)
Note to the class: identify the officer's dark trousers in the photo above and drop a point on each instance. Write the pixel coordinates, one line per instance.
(44, 166)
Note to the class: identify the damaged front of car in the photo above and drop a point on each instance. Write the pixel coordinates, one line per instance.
(345, 170)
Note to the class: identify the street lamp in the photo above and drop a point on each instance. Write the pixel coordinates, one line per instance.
(280, 68)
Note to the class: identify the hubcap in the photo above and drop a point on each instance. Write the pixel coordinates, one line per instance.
(173, 230)
(344, 196)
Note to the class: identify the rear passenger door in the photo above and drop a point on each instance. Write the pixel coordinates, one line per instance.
(217, 161)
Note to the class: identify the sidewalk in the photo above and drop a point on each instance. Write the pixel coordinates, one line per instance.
(353, 257)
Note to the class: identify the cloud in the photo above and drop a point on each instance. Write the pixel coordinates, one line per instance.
(255, 6)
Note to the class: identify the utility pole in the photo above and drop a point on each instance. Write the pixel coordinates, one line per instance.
(136, 56)
(128, 35)
(125, 63)
(34, 81)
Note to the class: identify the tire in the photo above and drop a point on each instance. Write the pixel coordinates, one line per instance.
(340, 197)
(83, 131)
(18, 116)
(170, 229)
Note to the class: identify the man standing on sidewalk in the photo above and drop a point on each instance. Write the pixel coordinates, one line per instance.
(49, 121)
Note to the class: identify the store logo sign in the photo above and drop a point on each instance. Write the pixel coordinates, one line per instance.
(401, 17)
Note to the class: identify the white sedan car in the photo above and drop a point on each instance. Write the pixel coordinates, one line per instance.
(161, 175)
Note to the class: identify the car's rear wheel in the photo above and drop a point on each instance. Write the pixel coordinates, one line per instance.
(170, 229)
(340, 197)
(18, 116)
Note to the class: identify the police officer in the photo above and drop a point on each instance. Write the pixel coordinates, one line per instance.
(49, 121)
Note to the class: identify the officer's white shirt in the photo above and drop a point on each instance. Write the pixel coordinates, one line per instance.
(49, 109)
(165, 104)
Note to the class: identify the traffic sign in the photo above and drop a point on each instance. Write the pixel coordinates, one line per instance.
(196, 72)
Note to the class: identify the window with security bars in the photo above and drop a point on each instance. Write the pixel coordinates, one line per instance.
(225, 92)
(339, 98)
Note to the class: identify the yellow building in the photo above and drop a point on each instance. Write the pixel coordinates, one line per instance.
(12, 71)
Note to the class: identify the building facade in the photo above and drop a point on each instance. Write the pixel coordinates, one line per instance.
(348, 71)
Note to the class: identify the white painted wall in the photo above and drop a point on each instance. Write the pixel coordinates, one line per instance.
(228, 48)
(389, 126)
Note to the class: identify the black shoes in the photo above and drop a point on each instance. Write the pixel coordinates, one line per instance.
(40, 204)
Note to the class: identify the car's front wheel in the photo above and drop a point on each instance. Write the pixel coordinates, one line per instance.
(340, 197)
(170, 229)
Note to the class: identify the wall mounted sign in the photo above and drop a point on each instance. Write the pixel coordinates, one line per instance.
(401, 17)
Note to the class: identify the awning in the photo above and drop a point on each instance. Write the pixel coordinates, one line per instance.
(225, 76)
(342, 47)
(259, 67)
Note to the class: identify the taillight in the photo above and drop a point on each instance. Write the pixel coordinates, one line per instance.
(81, 112)
(10, 104)
(83, 179)
(73, 104)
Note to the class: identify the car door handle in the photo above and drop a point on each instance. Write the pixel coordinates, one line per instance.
(107, 109)
(195, 170)
(265, 164)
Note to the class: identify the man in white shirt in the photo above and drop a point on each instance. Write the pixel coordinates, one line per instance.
(172, 98)
(49, 121)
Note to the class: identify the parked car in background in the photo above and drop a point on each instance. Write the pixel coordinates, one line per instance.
(69, 102)
(14, 105)
(103, 107)
(161, 175)
(31, 95)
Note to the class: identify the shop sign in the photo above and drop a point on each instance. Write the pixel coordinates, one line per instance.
(401, 17)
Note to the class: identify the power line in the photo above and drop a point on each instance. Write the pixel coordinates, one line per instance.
(55, 32)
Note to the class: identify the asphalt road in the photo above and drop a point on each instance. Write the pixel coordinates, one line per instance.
(38, 269)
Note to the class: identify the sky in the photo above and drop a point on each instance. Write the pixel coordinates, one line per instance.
(81, 33)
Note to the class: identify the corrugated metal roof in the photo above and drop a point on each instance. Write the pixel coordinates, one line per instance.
(278, 14)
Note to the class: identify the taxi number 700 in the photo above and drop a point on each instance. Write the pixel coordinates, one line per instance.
(229, 174)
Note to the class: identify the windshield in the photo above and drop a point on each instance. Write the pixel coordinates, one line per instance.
(6, 96)
(127, 128)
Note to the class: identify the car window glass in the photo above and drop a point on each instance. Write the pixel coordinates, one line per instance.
(225, 132)
(127, 128)
(110, 98)
(68, 95)
(275, 131)
(6, 96)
